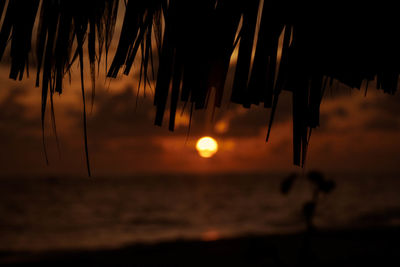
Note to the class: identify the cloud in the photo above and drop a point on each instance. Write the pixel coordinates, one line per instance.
(16, 121)
(123, 138)
(237, 121)
(120, 114)
(382, 112)
(20, 134)
(382, 123)
(383, 103)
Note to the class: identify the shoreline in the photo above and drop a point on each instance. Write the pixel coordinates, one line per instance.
(347, 247)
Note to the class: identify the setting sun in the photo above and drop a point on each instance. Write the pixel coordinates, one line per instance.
(207, 147)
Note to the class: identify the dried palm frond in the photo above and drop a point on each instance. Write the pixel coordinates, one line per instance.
(195, 41)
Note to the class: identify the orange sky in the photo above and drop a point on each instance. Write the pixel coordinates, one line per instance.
(357, 133)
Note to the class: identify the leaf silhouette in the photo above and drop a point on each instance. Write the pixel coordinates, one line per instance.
(195, 41)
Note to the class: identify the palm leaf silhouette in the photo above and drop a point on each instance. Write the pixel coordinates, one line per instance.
(195, 41)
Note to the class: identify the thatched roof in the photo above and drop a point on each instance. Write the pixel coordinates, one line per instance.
(195, 41)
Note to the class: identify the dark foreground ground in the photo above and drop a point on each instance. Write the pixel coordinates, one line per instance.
(372, 247)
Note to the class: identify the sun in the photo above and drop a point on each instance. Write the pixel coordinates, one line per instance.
(207, 147)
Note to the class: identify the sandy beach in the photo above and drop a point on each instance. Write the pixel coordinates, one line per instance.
(379, 247)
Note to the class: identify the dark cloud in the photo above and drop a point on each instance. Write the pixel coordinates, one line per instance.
(145, 146)
(248, 124)
(282, 147)
(386, 111)
(388, 123)
(256, 119)
(20, 135)
(120, 114)
(14, 122)
(387, 104)
(123, 114)
(340, 112)
(113, 138)
(329, 118)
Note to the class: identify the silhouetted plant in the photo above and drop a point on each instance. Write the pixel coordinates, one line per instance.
(319, 184)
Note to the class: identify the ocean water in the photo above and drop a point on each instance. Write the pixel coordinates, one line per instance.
(75, 213)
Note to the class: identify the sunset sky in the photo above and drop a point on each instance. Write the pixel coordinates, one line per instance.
(91, 173)
(357, 133)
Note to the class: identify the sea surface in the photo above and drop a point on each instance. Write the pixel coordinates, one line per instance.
(47, 213)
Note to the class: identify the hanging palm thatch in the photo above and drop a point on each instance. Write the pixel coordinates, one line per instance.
(195, 41)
